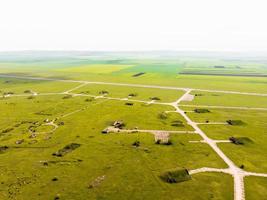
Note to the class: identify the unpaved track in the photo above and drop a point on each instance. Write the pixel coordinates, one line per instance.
(207, 169)
(132, 85)
(235, 171)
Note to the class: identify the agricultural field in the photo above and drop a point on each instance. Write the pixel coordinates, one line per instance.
(119, 126)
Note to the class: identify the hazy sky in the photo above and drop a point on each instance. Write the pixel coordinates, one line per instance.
(230, 25)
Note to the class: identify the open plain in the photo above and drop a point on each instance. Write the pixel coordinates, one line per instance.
(124, 127)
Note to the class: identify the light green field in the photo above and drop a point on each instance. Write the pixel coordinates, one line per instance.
(18, 86)
(96, 68)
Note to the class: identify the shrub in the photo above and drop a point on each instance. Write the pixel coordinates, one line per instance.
(201, 110)
(177, 123)
(89, 99)
(154, 98)
(55, 179)
(136, 143)
(235, 122)
(7, 130)
(103, 92)
(158, 142)
(240, 140)
(162, 115)
(67, 96)
(30, 97)
(169, 142)
(132, 95)
(3, 148)
(27, 91)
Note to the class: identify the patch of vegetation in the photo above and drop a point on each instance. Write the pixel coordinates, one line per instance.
(31, 97)
(154, 98)
(168, 142)
(67, 96)
(3, 148)
(27, 91)
(219, 66)
(85, 92)
(163, 115)
(199, 95)
(175, 176)
(7, 130)
(89, 99)
(235, 122)
(240, 140)
(7, 93)
(103, 92)
(177, 123)
(67, 149)
(138, 74)
(43, 112)
(132, 95)
(201, 110)
(136, 143)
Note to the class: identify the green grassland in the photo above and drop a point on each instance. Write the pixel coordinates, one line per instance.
(109, 166)
(127, 169)
(137, 92)
(222, 99)
(252, 155)
(19, 86)
(253, 186)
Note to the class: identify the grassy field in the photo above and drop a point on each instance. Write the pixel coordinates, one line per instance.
(52, 145)
(253, 185)
(136, 92)
(138, 168)
(221, 99)
(251, 155)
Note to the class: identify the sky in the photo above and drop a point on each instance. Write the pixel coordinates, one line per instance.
(133, 25)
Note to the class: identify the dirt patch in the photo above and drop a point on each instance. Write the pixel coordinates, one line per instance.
(188, 97)
(96, 182)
